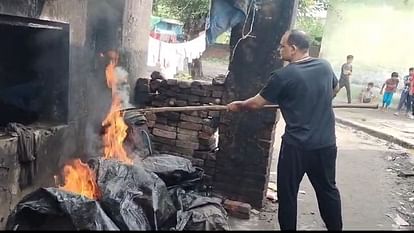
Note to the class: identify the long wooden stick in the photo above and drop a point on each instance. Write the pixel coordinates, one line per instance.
(224, 108)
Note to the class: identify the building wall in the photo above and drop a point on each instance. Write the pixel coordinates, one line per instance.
(86, 82)
(377, 32)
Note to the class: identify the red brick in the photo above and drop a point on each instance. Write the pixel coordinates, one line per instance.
(190, 125)
(164, 133)
(237, 209)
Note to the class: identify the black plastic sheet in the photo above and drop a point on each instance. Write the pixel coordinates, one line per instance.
(173, 170)
(128, 191)
(198, 213)
(54, 209)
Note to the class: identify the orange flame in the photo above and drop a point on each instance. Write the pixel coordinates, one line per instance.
(116, 129)
(80, 179)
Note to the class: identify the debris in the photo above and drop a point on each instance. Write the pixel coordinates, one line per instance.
(237, 209)
(400, 221)
(271, 195)
(302, 192)
(198, 213)
(405, 174)
(255, 212)
(411, 199)
(272, 186)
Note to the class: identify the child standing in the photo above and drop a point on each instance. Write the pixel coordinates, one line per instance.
(390, 85)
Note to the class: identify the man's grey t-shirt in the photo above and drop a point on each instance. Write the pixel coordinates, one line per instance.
(345, 67)
(304, 92)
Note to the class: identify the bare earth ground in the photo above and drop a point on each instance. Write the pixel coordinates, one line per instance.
(367, 175)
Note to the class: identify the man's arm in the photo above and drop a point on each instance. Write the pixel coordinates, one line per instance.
(335, 84)
(253, 103)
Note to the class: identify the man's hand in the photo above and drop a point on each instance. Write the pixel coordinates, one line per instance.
(235, 106)
(253, 103)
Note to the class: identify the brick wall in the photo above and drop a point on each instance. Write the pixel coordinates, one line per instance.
(191, 134)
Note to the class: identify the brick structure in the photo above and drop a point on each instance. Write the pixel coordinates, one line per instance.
(191, 134)
(242, 162)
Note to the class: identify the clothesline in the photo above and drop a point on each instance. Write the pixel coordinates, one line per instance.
(173, 57)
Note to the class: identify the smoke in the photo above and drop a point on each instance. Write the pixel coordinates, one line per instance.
(100, 103)
(378, 33)
(122, 89)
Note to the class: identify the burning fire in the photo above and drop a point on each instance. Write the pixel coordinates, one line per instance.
(115, 127)
(80, 179)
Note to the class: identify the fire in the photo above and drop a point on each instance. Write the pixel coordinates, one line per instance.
(115, 127)
(80, 179)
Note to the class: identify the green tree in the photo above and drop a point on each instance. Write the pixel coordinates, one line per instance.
(307, 21)
(191, 12)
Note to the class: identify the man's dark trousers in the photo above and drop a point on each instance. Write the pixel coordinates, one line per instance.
(344, 82)
(319, 165)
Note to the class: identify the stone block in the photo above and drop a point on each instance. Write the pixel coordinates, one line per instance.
(208, 129)
(190, 125)
(164, 133)
(193, 119)
(193, 98)
(181, 96)
(161, 120)
(217, 94)
(204, 135)
(172, 82)
(165, 127)
(172, 123)
(203, 114)
(208, 142)
(187, 131)
(186, 137)
(150, 124)
(162, 140)
(187, 144)
(150, 116)
(214, 113)
(184, 84)
(200, 92)
(157, 103)
(201, 154)
(181, 103)
(237, 208)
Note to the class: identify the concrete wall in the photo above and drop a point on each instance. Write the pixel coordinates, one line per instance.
(86, 90)
(377, 32)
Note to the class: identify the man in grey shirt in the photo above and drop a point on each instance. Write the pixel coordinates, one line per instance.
(346, 72)
(304, 90)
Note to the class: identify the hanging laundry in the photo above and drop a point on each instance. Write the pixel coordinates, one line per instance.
(224, 15)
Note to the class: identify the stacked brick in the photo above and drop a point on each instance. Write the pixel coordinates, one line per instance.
(192, 134)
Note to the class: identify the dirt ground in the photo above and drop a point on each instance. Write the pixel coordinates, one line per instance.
(373, 193)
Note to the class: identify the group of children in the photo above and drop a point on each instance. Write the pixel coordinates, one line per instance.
(389, 88)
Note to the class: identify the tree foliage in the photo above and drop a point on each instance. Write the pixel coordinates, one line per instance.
(191, 12)
(307, 19)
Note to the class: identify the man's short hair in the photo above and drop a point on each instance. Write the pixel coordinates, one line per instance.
(298, 38)
(349, 57)
(370, 84)
(394, 74)
(411, 69)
